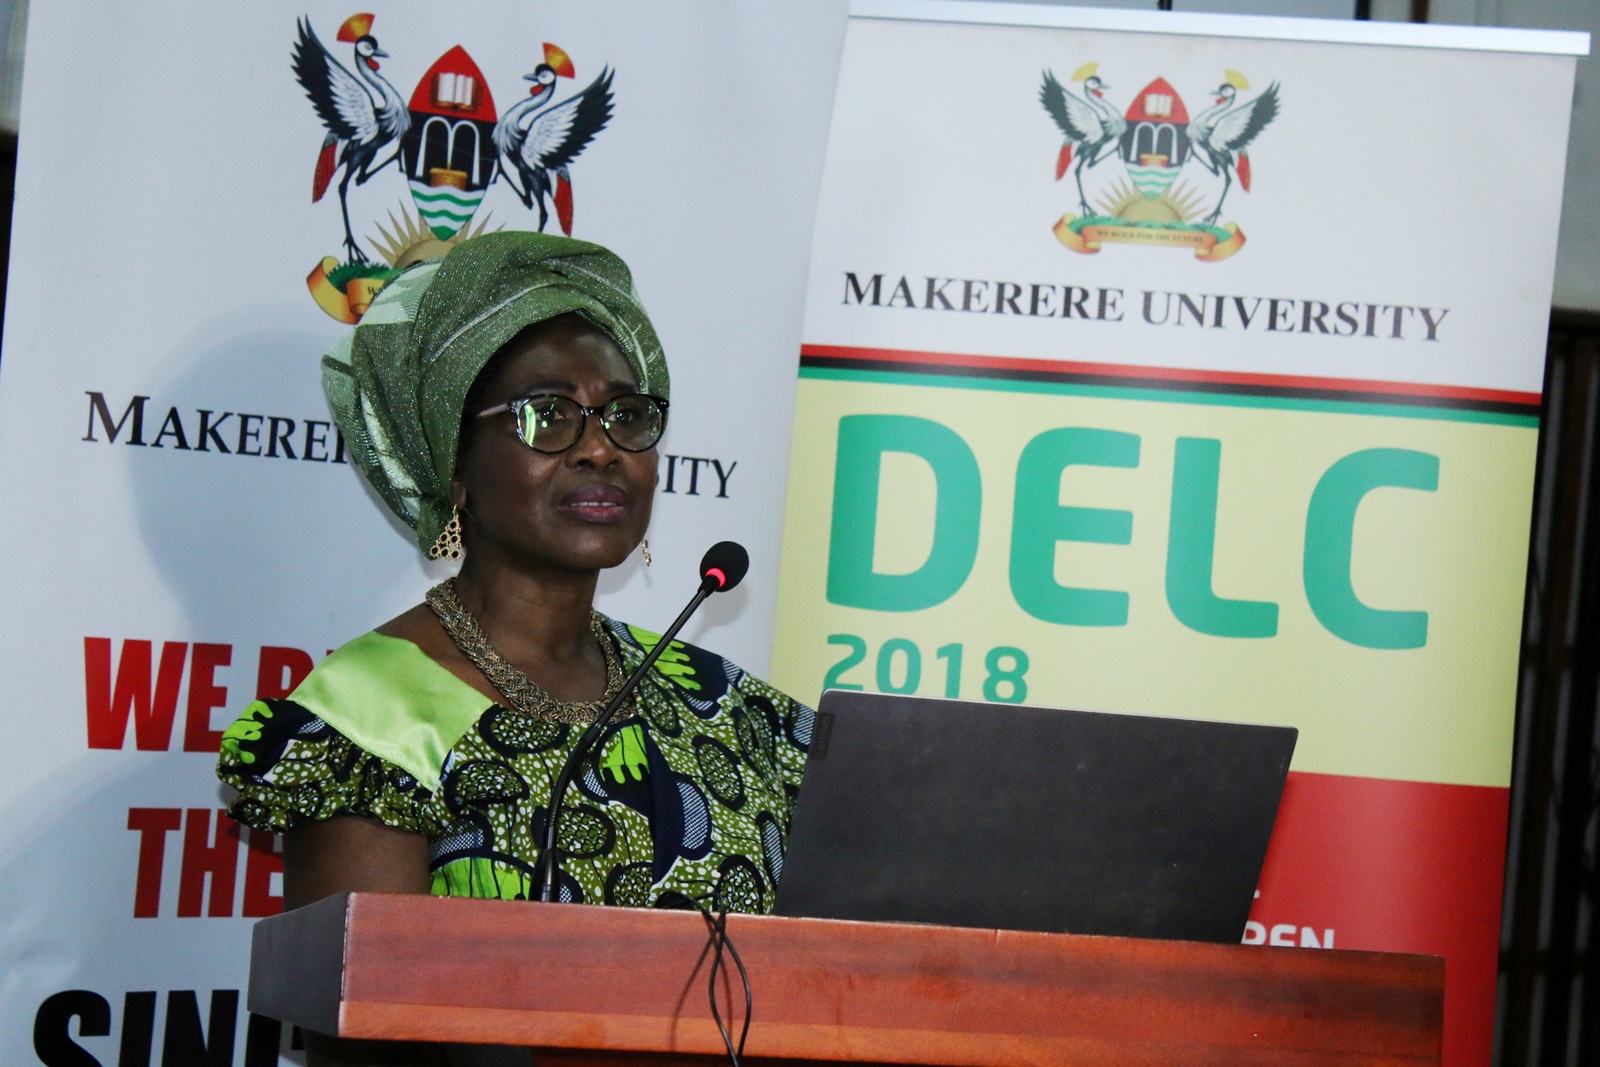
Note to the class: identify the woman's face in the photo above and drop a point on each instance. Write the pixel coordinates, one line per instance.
(583, 509)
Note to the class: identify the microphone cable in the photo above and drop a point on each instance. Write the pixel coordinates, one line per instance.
(717, 930)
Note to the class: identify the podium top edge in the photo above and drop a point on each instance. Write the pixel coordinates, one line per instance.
(424, 968)
(1260, 27)
(361, 907)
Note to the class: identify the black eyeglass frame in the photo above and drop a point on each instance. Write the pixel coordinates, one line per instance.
(516, 406)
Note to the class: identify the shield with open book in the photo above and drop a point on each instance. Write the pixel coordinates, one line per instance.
(449, 151)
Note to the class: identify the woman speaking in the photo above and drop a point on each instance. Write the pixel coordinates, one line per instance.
(506, 402)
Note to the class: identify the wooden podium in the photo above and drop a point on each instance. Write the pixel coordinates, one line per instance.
(621, 985)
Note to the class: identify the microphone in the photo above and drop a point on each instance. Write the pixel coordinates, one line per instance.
(722, 567)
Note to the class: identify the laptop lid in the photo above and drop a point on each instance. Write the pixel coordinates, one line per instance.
(976, 814)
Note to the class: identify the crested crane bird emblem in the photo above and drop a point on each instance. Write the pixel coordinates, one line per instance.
(1156, 139)
(539, 138)
(1224, 130)
(1087, 123)
(447, 143)
(362, 112)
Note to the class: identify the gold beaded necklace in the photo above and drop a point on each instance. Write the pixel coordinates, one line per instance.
(521, 692)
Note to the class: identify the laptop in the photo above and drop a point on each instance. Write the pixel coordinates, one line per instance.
(1023, 818)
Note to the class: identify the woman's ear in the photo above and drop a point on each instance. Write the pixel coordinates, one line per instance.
(458, 494)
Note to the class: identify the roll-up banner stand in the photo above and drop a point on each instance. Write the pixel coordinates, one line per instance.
(186, 529)
(1191, 365)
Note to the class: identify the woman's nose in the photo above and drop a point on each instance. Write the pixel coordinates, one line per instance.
(593, 444)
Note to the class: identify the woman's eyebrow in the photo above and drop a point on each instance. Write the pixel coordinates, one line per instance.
(548, 386)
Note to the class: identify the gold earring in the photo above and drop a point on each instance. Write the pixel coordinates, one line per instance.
(644, 546)
(448, 545)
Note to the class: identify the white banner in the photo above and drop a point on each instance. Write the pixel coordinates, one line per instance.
(190, 533)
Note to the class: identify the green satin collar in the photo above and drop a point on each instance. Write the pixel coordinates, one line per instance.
(395, 701)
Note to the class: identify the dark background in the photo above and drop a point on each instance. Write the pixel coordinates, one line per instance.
(1548, 1013)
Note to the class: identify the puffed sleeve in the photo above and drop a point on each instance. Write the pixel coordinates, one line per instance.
(290, 766)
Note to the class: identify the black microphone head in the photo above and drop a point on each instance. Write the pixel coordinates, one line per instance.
(723, 566)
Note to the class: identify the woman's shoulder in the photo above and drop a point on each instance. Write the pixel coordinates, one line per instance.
(378, 667)
(389, 697)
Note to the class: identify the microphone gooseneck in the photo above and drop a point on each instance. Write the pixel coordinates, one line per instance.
(722, 567)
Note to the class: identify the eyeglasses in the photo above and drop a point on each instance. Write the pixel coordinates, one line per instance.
(551, 423)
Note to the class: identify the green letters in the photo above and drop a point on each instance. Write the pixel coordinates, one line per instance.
(1039, 520)
(1330, 530)
(862, 441)
(1191, 547)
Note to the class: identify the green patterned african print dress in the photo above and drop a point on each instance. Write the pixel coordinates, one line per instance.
(689, 798)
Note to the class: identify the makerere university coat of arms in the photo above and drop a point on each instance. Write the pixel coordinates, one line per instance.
(1155, 138)
(449, 143)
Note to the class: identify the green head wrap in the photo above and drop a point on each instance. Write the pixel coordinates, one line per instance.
(398, 381)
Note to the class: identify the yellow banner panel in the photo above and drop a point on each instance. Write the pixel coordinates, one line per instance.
(1357, 575)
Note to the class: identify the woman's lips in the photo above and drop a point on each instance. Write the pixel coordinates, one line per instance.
(595, 503)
